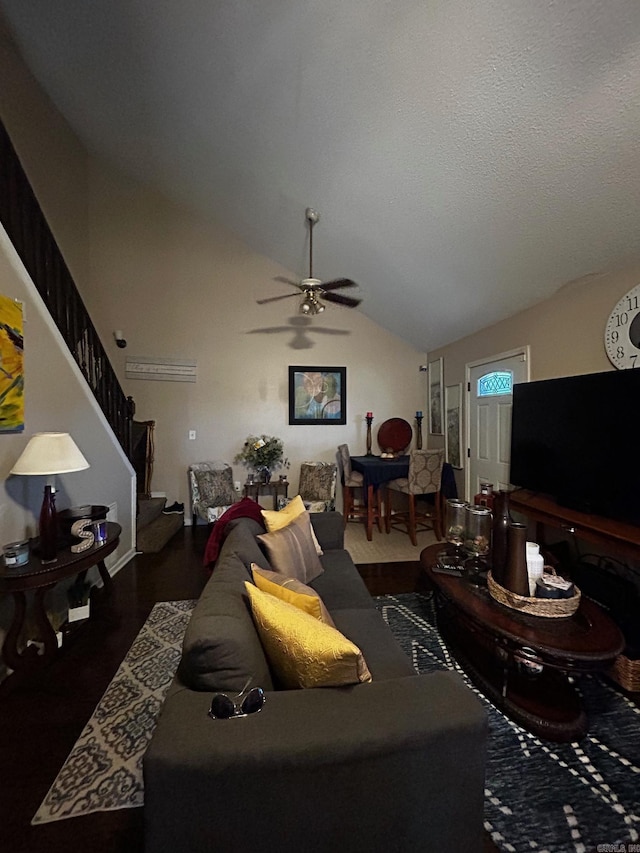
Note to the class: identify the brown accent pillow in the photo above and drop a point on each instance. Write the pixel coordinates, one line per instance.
(291, 550)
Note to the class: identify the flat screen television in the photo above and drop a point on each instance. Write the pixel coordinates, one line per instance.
(577, 439)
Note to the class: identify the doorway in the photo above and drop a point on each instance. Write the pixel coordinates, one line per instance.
(489, 399)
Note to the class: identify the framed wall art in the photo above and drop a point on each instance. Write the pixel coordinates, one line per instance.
(12, 366)
(436, 426)
(317, 395)
(453, 431)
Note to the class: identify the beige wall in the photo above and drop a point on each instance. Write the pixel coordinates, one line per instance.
(565, 333)
(180, 287)
(56, 396)
(50, 153)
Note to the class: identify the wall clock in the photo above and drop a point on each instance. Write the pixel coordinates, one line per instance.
(622, 332)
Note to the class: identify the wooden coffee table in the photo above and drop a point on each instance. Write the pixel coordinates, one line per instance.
(523, 663)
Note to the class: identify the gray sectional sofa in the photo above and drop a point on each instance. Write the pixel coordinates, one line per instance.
(396, 764)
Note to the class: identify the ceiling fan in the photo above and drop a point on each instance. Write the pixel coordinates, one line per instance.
(314, 291)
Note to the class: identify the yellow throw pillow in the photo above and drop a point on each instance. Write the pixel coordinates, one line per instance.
(293, 591)
(302, 651)
(277, 519)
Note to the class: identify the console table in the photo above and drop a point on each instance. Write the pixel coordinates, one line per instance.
(616, 537)
(38, 577)
(275, 488)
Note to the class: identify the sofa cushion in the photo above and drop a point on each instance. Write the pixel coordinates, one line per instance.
(293, 591)
(340, 585)
(382, 652)
(221, 649)
(302, 651)
(291, 550)
(277, 519)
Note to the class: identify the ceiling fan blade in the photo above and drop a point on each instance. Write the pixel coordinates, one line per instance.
(285, 280)
(349, 301)
(337, 283)
(275, 298)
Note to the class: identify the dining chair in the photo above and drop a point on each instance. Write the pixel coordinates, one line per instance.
(317, 485)
(423, 481)
(354, 506)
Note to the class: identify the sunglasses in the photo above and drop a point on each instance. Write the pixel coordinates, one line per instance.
(223, 707)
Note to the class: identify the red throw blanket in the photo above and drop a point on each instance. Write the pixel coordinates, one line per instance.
(245, 508)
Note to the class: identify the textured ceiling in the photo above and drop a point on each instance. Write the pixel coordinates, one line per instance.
(467, 159)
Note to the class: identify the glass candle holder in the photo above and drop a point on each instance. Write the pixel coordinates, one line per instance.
(455, 519)
(477, 531)
(453, 556)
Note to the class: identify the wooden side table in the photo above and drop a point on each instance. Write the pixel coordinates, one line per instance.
(275, 488)
(39, 577)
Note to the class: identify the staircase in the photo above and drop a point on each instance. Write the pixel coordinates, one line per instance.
(153, 528)
(28, 230)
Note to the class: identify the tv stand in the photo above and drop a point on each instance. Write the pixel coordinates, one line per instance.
(616, 538)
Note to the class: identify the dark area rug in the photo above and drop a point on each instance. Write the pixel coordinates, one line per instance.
(544, 796)
(538, 797)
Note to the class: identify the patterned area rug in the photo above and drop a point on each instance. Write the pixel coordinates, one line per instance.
(541, 796)
(104, 769)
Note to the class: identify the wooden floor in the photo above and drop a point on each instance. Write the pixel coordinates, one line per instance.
(39, 725)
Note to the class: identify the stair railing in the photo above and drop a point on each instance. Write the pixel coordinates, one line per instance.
(28, 230)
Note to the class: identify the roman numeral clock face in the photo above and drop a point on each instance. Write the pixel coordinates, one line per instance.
(622, 332)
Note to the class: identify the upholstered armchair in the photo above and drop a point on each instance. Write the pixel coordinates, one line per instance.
(317, 486)
(212, 491)
(425, 476)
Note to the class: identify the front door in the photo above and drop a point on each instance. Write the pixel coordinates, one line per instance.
(489, 400)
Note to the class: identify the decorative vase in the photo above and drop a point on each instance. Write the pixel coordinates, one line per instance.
(48, 526)
(516, 577)
(265, 475)
(501, 522)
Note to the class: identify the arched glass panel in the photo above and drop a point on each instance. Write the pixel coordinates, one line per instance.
(497, 382)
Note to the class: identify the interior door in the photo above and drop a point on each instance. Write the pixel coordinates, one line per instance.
(489, 401)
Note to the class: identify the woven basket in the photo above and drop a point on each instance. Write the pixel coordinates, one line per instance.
(626, 673)
(551, 608)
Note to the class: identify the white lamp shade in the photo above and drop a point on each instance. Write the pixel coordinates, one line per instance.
(50, 453)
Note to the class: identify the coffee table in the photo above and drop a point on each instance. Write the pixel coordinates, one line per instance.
(522, 663)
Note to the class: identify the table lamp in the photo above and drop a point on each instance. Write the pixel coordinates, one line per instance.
(49, 453)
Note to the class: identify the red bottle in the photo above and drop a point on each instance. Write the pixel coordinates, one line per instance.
(48, 526)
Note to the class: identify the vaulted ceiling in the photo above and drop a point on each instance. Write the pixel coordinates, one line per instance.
(466, 158)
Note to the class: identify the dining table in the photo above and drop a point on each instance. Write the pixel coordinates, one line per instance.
(377, 470)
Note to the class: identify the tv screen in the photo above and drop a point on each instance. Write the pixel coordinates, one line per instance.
(577, 439)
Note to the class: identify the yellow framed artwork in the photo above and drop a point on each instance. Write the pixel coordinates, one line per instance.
(11, 366)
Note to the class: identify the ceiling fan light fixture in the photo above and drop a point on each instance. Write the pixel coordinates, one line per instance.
(314, 290)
